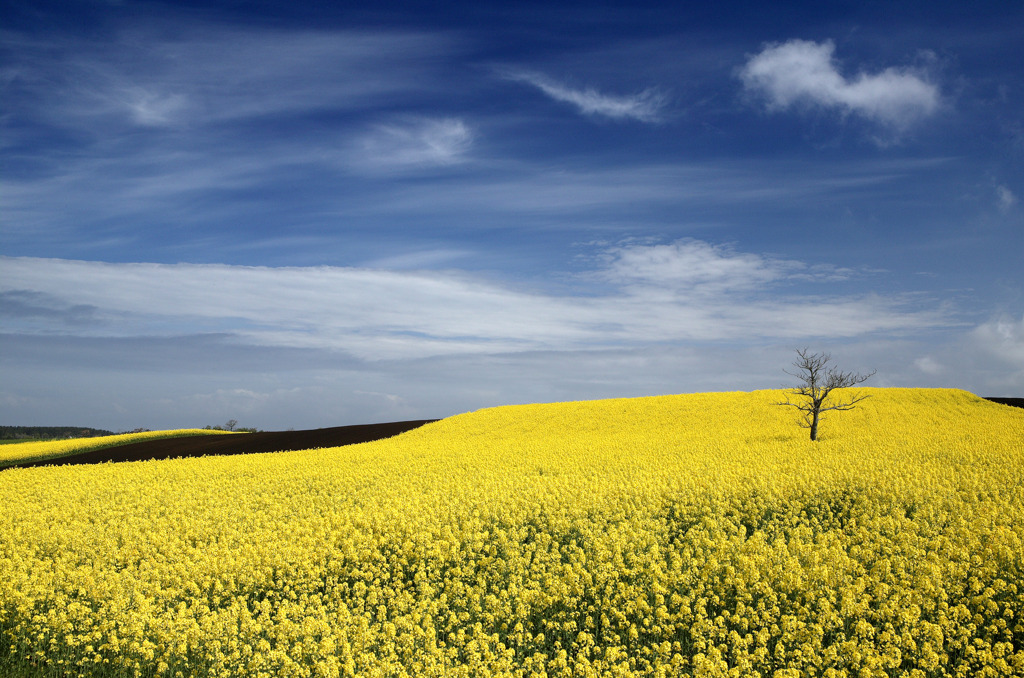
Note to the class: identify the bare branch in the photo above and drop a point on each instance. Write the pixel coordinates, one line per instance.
(818, 382)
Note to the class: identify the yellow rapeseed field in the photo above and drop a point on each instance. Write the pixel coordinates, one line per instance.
(690, 535)
(47, 449)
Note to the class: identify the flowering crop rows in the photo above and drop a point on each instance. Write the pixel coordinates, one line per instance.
(697, 535)
(47, 449)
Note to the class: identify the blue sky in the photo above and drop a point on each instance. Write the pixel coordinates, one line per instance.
(298, 216)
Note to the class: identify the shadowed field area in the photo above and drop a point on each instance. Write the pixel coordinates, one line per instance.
(242, 443)
(1012, 402)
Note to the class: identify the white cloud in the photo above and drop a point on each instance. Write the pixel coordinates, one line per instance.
(1002, 338)
(567, 193)
(645, 106)
(1006, 198)
(693, 265)
(688, 291)
(211, 75)
(929, 365)
(419, 259)
(173, 187)
(426, 142)
(152, 109)
(800, 71)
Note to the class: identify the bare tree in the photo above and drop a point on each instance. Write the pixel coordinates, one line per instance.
(817, 382)
(232, 423)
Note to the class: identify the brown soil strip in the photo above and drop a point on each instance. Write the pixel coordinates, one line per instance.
(241, 443)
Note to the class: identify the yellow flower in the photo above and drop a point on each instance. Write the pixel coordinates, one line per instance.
(670, 536)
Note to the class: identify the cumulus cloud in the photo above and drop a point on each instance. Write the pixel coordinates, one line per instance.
(804, 72)
(645, 106)
(1002, 338)
(689, 291)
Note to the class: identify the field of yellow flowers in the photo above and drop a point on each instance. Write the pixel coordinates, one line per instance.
(690, 535)
(52, 449)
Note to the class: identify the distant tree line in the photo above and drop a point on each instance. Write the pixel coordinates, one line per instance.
(232, 425)
(65, 432)
(50, 432)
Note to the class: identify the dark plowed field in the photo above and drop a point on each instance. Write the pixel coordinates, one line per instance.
(1012, 402)
(241, 443)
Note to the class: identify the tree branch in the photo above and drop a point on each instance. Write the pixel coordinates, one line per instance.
(818, 383)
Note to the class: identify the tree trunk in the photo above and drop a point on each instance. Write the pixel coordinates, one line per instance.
(814, 425)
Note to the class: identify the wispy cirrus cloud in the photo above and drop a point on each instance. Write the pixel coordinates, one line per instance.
(209, 75)
(698, 267)
(149, 108)
(1006, 198)
(412, 144)
(693, 265)
(805, 72)
(194, 123)
(644, 106)
(686, 291)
